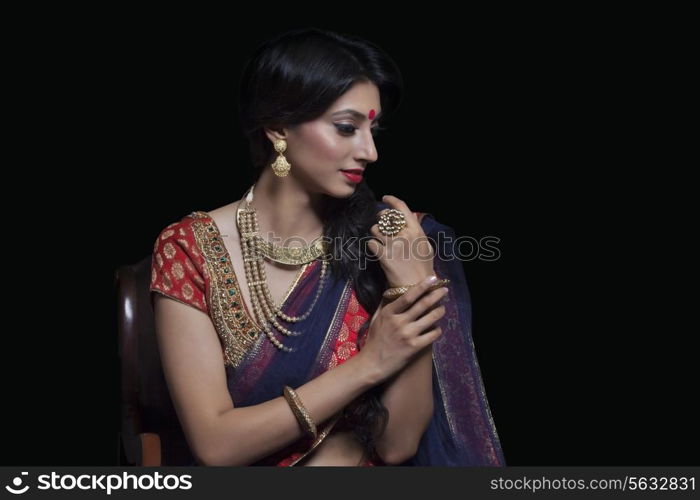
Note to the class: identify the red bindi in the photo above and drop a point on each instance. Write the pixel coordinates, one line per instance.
(371, 114)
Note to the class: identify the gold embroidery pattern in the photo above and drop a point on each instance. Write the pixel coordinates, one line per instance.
(187, 291)
(190, 267)
(167, 284)
(326, 354)
(177, 270)
(199, 281)
(169, 250)
(345, 350)
(236, 330)
(353, 305)
(356, 323)
(344, 333)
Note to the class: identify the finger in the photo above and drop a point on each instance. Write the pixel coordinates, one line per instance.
(408, 213)
(374, 231)
(374, 247)
(424, 304)
(427, 321)
(412, 294)
(427, 338)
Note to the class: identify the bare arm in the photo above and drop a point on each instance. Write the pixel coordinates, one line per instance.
(409, 399)
(218, 433)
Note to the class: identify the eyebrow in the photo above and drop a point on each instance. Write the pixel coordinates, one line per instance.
(357, 114)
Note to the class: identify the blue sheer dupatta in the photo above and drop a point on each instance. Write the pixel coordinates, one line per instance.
(462, 431)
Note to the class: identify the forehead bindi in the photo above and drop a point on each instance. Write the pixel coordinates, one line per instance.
(372, 114)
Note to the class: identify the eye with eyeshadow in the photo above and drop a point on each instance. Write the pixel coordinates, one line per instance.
(348, 129)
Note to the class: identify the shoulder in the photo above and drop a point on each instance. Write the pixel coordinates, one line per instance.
(178, 269)
(224, 218)
(177, 233)
(180, 242)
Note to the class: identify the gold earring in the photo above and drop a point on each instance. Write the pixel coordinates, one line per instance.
(281, 166)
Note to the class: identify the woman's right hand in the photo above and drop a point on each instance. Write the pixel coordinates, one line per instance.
(395, 331)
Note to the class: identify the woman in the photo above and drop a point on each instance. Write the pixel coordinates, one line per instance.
(282, 357)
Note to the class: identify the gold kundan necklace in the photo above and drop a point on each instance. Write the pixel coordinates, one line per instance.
(254, 250)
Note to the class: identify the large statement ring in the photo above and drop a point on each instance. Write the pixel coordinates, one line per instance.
(391, 221)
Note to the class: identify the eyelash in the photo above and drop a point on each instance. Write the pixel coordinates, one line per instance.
(344, 129)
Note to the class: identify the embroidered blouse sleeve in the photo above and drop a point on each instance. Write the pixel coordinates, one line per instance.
(177, 268)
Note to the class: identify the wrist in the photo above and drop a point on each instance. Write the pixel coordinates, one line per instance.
(410, 281)
(368, 371)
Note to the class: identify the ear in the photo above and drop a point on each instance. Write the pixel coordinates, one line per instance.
(275, 134)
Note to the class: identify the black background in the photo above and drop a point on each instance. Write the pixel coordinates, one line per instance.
(526, 131)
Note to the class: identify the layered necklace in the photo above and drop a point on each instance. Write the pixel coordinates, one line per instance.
(255, 249)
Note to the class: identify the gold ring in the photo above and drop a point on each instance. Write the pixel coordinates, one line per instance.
(391, 221)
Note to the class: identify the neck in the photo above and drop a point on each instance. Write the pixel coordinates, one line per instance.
(286, 209)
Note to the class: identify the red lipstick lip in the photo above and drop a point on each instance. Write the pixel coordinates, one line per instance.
(357, 171)
(353, 176)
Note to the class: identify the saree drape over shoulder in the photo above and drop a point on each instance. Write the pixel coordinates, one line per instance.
(191, 265)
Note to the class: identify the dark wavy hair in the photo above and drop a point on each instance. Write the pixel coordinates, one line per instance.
(294, 78)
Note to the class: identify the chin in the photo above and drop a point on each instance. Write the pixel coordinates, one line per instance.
(342, 191)
(347, 192)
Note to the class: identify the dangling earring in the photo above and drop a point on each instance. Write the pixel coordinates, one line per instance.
(281, 166)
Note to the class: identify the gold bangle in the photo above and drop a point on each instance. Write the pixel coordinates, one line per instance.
(398, 291)
(300, 412)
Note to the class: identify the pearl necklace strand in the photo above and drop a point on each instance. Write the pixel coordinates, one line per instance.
(253, 248)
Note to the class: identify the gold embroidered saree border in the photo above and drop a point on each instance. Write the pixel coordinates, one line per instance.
(482, 395)
(237, 331)
(294, 283)
(331, 327)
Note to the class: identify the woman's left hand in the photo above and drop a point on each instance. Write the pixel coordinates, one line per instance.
(407, 257)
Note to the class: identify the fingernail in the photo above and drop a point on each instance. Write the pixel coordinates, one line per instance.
(431, 279)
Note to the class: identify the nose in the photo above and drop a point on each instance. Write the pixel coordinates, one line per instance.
(367, 150)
